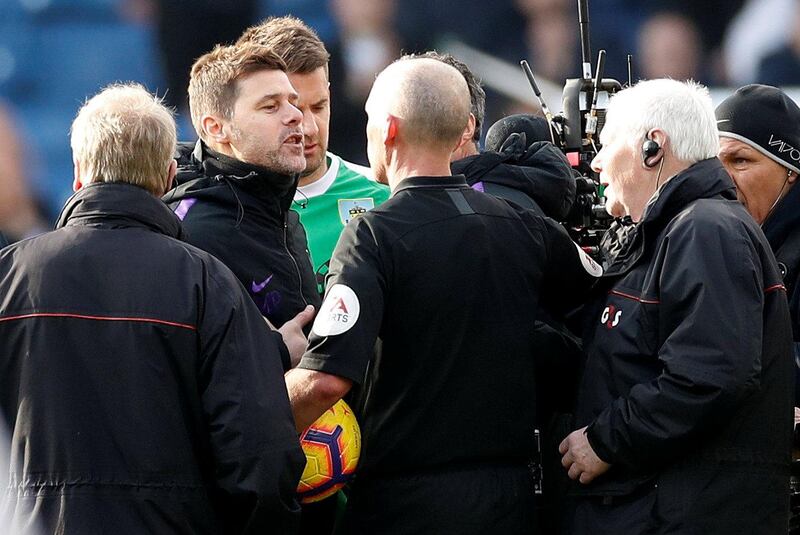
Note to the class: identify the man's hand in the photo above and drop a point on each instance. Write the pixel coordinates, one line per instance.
(293, 337)
(311, 393)
(580, 459)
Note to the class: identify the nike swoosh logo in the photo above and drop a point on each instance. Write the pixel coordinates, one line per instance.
(723, 121)
(258, 287)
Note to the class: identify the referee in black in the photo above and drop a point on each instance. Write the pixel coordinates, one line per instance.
(447, 281)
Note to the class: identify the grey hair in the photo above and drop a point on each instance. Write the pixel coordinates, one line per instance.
(124, 134)
(683, 110)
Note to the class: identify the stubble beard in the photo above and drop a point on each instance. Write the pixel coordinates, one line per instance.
(312, 166)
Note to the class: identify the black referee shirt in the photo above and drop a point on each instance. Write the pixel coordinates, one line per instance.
(448, 280)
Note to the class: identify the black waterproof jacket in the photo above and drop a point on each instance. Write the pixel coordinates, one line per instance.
(538, 177)
(144, 392)
(782, 229)
(240, 213)
(688, 384)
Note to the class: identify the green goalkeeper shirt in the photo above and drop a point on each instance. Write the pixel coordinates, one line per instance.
(328, 204)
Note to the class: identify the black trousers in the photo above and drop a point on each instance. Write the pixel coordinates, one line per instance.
(470, 500)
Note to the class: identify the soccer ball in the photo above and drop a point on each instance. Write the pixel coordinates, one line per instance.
(332, 445)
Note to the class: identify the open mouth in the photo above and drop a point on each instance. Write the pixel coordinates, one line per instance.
(294, 139)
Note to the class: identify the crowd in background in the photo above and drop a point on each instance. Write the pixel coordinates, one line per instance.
(53, 53)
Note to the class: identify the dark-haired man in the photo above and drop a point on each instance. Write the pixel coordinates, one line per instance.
(237, 184)
(331, 191)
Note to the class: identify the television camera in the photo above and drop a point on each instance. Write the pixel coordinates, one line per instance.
(576, 131)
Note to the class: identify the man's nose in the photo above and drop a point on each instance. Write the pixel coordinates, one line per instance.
(309, 124)
(597, 163)
(293, 115)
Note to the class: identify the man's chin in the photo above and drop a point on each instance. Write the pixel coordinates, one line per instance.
(291, 167)
(313, 166)
(614, 208)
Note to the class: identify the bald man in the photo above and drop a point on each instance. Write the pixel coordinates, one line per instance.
(446, 402)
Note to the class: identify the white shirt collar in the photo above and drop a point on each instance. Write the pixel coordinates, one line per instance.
(321, 185)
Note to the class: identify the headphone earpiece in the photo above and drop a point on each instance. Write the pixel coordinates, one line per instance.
(650, 150)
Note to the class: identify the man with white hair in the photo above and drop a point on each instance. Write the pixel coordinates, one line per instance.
(143, 389)
(685, 407)
(448, 281)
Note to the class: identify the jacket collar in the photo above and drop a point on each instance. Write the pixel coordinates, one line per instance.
(267, 186)
(703, 180)
(118, 205)
(439, 182)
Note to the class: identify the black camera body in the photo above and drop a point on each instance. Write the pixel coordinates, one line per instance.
(581, 122)
(576, 131)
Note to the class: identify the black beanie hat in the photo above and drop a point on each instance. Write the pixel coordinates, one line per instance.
(535, 129)
(765, 118)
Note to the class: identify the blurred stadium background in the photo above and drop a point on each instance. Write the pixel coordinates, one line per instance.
(56, 53)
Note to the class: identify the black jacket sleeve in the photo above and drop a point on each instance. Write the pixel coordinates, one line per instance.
(343, 337)
(710, 317)
(257, 455)
(569, 272)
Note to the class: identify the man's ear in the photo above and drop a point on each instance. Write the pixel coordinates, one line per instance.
(214, 129)
(390, 129)
(469, 132)
(172, 170)
(77, 182)
(659, 136)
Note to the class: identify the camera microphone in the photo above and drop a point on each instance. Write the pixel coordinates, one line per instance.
(591, 117)
(630, 70)
(586, 49)
(549, 116)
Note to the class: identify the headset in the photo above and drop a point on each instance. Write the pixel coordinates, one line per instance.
(650, 149)
(652, 157)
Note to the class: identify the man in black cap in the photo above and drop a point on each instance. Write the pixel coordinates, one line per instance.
(759, 128)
